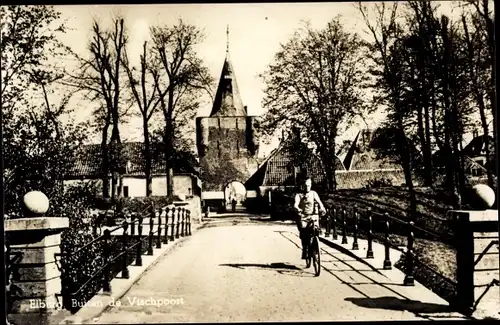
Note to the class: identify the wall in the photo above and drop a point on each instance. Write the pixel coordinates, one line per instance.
(137, 185)
(195, 208)
(183, 185)
(478, 261)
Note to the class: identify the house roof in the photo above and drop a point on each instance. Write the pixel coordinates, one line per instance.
(227, 100)
(476, 146)
(278, 170)
(362, 154)
(88, 162)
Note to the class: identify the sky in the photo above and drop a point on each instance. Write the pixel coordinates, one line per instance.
(255, 34)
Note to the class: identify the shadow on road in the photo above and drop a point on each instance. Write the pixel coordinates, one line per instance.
(394, 303)
(281, 268)
(264, 266)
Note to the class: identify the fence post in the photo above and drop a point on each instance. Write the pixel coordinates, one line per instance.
(177, 223)
(164, 211)
(344, 227)
(151, 224)
(355, 245)
(189, 220)
(328, 224)
(183, 221)
(174, 212)
(8, 272)
(138, 256)
(158, 236)
(409, 280)
(106, 286)
(334, 223)
(465, 262)
(132, 223)
(125, 273)
(387, 259)
(369, 252)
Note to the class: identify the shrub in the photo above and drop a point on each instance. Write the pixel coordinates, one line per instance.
(381, 182)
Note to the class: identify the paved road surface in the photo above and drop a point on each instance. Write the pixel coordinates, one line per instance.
(243, 271)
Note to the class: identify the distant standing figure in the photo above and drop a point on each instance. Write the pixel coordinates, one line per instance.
(233, 203)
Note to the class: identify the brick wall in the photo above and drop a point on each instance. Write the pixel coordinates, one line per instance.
(227, 148)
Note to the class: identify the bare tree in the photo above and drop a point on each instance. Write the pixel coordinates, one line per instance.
(481, 73)
(101, 77)
(314, 86)
(147, 98)
(387, 53)
(183, 73)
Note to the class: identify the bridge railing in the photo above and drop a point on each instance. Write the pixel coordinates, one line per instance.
(121, 246)
(394, 233)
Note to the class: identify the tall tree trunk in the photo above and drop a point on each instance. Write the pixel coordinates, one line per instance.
(421, 104)
(116, 149)
(451, 115)
(169, 143)
(105, 161)
(490, 29)
(147, 157)
(428, 150)
(405, 153)
(479, 99)
(329, 164)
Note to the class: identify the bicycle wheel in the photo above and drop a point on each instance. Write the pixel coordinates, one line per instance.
(314, 252)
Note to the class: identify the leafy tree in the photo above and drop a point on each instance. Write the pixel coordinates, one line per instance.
(480, 68)
(388, 54)
(29, 45)
(314, 84)
(38, 147)
(427, 73)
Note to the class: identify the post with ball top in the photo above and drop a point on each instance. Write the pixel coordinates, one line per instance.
(34, 248)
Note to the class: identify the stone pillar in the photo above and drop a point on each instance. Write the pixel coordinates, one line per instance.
(477, 258)
(36, 275)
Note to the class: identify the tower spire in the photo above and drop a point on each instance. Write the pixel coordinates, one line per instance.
(227, 39)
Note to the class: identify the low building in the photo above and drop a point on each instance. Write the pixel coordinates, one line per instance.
(186, 181)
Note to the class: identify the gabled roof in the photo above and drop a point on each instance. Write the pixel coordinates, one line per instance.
(227, 100)
(362, 154)
(476, 146)
(88, 162)
(279, 170)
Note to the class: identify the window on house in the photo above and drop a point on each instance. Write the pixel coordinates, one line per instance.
(190, 191)
(125, 191)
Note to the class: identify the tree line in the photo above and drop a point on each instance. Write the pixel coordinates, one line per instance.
(41, 140)
(434, 76)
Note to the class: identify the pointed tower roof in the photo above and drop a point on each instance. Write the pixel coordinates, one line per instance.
(227, 100)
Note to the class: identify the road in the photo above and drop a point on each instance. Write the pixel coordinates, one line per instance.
(236, 270)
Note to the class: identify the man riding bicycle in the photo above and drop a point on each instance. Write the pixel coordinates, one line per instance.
(304, 204)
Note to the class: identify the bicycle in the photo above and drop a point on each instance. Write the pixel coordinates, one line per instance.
(313, 252)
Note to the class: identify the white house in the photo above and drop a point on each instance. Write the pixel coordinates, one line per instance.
(88, 166)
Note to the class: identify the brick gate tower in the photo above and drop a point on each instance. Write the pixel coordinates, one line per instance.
(227, 140)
